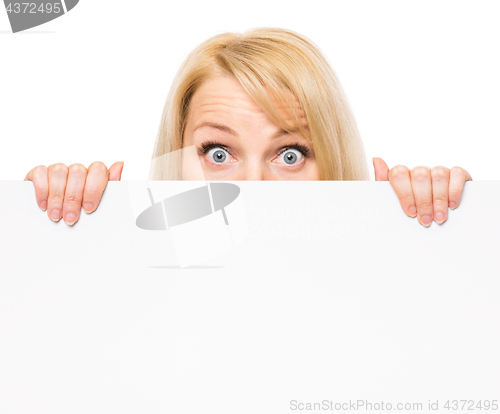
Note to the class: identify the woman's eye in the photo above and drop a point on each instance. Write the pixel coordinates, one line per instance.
(291, 156)
(218, 155)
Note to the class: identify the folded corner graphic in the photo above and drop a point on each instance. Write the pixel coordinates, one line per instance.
(205, 220)
(23, 16)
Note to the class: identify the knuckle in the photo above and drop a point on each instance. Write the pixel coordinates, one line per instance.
(99, 167)
(439, 172)
(73, 200)
(59, 168)
(56, 198)
(93, 192)
(455, 194)
(398, 171)
(441, 200)
(420, 173)
(40, 169)
(425, 203)
(77, 169)
(406, 197)
(458, 171)
(43, 189)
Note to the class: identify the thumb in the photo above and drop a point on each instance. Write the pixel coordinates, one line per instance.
(381, 169)
(115, 171)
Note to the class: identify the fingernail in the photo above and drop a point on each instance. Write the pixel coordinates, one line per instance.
(55, 215)
(87, 207)
(43, 206)
(70, 219)
(413, 211)
(426, 220)
(452, 204)
(439, 217)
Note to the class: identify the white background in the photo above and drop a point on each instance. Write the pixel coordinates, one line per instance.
(421, 77)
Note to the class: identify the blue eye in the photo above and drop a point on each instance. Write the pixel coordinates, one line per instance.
(291, 156)
(218, 155)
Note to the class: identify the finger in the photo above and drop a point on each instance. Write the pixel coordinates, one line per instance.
(40, 179)
(58, 175)
(421, 184)
(458, 177)
(97, 179)
(440, 182)
(381, 169)
(399, 177)
(73, 196)
(115, 171)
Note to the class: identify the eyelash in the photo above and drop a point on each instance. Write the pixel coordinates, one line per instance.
(208, 145)
(306, 152)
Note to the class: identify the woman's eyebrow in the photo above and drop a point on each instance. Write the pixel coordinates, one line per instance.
(231, 131)
(220, 127)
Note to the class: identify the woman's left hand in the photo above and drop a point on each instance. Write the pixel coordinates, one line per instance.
(424, 192)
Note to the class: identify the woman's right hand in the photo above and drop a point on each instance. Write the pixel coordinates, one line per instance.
(62, 191)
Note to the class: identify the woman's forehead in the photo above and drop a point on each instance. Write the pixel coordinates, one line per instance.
(225, 95)
(224, 92)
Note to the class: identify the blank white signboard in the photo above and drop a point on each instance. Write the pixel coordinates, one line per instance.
(334, 298)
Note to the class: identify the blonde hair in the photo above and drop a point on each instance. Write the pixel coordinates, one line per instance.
(270, 63)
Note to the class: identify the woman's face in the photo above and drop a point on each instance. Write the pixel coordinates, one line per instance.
(235, 139)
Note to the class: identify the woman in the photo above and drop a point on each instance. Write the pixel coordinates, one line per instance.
(262, 105)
